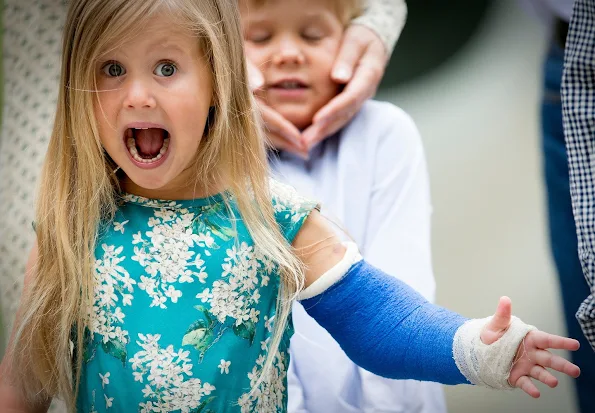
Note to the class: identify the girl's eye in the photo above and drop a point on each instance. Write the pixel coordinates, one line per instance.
(165, 69)
(113, 69)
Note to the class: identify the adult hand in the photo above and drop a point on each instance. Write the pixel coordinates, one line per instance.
(360, 64)
(281, 133)
(532, 356)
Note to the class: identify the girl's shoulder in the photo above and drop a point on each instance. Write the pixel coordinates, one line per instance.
(291, 209)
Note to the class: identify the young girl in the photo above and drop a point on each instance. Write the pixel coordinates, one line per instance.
(166, 262)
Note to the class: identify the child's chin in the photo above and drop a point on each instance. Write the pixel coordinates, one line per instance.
(299, 120)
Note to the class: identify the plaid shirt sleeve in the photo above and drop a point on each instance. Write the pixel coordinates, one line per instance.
(578, 109)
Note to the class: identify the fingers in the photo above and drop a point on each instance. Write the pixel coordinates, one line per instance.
(546, 359)
(496, 327)
(341, 109)
(360, 63)
(544, 376)
(525, 384)
(546, 340)
(281, 144)
(319, 131)
(281, 128)
(361, 87)
(350, 53)
(255, 77)
(501, 319)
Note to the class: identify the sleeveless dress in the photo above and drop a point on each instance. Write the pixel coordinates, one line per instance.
(184, 307)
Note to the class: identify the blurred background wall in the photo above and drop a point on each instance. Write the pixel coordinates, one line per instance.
(469, 73)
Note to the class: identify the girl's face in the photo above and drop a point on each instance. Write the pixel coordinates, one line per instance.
(154, 93)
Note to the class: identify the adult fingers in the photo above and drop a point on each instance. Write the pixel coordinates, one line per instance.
(341, 109)
(279, 143)
(255, 77)
(353, 47)
(276, 124)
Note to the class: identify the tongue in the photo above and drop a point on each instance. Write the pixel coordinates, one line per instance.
(149, 141)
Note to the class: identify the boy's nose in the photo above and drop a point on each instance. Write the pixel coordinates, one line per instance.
(139, 95)
(289, 52)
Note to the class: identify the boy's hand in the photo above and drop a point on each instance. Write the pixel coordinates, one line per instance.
(360, 64)
(532, 357)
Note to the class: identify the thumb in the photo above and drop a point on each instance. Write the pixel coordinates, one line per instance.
(350, 53)
(496, 327)
(255, 78)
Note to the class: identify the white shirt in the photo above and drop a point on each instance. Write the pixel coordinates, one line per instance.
(372, 180)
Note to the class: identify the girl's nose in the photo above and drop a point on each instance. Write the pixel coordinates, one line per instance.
(139, 95)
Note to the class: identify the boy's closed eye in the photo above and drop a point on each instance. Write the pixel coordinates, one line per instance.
(258, 36)
(313, 34)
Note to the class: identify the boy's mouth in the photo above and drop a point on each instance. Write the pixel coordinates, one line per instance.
(293, 84)
(289, 84)
(147, 145)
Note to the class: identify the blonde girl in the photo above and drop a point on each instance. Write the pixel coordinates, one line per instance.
(166, 261)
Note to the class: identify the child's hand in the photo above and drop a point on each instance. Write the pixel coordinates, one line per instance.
(532, 356)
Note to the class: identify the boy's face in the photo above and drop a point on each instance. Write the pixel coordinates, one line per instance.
(154, 93)
(294, 43)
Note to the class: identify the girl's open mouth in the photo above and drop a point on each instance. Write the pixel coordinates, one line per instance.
(147, 145)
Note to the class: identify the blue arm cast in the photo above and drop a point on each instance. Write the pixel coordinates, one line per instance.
(387, 328)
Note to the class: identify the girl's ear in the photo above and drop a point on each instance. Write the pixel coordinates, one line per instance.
(210, 121)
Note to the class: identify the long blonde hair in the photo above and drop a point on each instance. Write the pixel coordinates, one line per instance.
(78, 187)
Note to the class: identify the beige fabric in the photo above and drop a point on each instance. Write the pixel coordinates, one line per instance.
(386, 18)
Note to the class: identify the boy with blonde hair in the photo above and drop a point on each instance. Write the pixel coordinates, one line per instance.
(370, 176)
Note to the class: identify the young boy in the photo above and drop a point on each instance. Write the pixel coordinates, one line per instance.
(370, 177)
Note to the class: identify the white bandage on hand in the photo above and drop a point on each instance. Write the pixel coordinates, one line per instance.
(488, 365)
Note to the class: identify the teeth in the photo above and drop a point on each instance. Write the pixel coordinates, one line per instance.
(131, 144)
(290, 85)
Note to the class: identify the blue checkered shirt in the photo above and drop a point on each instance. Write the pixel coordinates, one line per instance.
(578, 109)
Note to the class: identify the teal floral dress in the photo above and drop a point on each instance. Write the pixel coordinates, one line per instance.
(184, 306)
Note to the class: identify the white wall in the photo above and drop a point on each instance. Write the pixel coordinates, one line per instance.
(478, 117)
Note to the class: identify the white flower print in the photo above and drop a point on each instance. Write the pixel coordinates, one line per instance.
(108, 401)
(136, 238)
(106, 315)
(288, 202)
(224, 366)
(204, 296)
(167, 256)
(119, 226)
(269, 396)
(237, 292)
(104, 379)
(167, 372)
